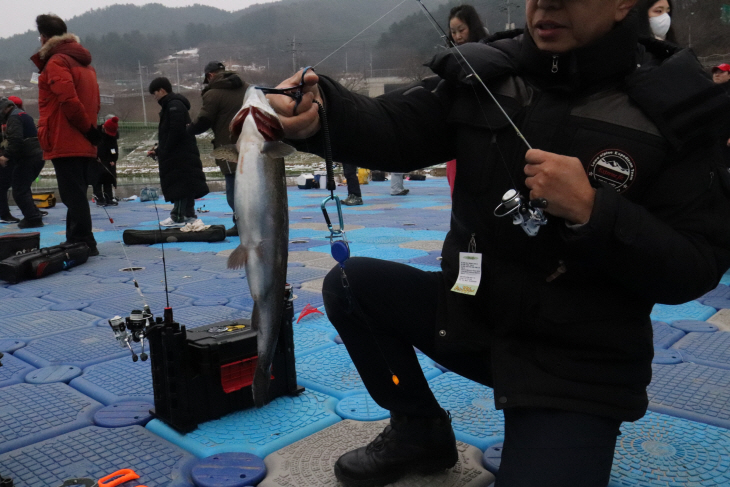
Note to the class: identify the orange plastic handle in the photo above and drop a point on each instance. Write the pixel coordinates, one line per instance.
(124, 475)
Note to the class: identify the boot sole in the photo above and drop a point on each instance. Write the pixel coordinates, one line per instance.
(422, 468)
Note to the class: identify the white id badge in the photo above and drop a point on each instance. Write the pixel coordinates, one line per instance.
(470, 273)
(34, 78)
(114, 151)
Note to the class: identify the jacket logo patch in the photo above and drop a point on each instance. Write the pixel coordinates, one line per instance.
(614, 167)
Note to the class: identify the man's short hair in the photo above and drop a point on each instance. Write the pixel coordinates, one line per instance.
(50, 25)
(160, 83)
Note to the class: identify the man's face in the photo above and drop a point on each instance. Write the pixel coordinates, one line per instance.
(719, 76)
(563, 25)
(159, 94)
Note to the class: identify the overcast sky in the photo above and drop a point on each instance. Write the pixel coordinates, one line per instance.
(24, 12)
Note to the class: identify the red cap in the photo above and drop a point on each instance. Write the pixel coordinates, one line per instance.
(17, 101)
(722, 67)
(111, 126)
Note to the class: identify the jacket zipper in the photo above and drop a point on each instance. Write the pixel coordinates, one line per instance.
(559, 272)
(555, 65)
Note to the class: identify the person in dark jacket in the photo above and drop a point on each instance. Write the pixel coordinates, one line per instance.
(23, 159)
(631, 178)
(222, 98)
(107, 157)
(181, 172)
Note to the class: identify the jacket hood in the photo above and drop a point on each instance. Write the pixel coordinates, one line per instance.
(227, 80)
(67, 44)
(174, 96)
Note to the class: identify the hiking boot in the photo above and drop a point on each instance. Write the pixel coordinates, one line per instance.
(34, 223)
(407, 445)
(9, 219)
(93, 251)
(352, 200)
(113, 202)
(232, 232)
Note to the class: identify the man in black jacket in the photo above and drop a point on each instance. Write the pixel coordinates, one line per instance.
(23, 161)
(181, 172)
(638, 206)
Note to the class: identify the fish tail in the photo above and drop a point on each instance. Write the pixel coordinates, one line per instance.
(260, 388)
(238, 258)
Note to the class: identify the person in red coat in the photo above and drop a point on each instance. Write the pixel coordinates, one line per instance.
(68, 102)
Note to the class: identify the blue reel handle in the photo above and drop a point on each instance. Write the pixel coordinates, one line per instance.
(340, 251)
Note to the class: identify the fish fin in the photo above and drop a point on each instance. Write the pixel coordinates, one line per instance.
(278, 149)
(260, 387)
(238, 258)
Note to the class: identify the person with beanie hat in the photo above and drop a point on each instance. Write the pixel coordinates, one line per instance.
(68, 103)
(18, 102)
(107, 156)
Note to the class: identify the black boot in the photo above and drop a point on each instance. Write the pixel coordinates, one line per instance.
(408, 444)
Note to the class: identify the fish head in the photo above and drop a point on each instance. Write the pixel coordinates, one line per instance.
(257, 106)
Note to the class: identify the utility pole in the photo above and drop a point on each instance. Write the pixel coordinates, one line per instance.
(141, 89)
(371, 64)
(177, 67)
(346, 62)
(294, 54)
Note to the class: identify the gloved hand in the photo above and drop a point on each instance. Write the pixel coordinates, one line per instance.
(93, 135)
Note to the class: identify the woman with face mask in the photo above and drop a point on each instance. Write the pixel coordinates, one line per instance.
(656, 19)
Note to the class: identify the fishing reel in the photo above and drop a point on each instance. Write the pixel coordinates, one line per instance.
(527, 214)
(133, 328)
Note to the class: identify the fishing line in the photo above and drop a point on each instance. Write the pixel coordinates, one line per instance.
(359, 33)
(164, 263)
(121, 242)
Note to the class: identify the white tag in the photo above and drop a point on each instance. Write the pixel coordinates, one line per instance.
(470, 273)
(114, 151)
(34, 78)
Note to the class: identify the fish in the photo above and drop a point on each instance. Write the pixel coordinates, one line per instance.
(262, 219)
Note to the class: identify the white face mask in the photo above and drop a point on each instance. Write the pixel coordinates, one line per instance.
(660, 25)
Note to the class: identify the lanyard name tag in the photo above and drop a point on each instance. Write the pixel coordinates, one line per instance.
(114, 151)
(470, 273)
(34, 78)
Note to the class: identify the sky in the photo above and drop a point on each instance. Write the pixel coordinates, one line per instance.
(25, 11)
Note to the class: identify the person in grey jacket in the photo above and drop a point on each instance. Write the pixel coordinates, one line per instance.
(23, 158)
(222, 98)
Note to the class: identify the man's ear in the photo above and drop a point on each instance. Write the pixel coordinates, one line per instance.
(623, 7)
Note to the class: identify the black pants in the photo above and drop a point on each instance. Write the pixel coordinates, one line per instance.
(353, 183)
(103, 192)
(395, 309)
(20, 175)
(183, 209)
(74, 175)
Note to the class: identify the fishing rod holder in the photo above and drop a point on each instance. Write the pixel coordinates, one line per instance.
(527, 214)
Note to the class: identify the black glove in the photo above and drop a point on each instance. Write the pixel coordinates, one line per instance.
(93, 135)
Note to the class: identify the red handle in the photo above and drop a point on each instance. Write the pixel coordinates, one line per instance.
(124, 475)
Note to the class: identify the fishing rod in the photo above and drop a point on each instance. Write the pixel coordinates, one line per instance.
(524, 212)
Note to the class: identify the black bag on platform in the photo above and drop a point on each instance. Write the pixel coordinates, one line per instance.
(19, 243)
(377, 176)
(43, 262)
(215, 233)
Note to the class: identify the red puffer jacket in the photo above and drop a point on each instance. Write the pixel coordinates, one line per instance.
(68, 98)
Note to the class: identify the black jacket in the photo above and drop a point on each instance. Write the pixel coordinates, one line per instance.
(659, 231)
(181, 171)
(107, 152)
(22, 139)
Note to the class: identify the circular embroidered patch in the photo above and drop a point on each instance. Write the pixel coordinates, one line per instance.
(614, 167)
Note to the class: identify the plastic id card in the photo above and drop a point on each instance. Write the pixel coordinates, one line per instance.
(470, 273)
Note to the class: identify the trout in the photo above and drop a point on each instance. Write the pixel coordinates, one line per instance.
(262, 218)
